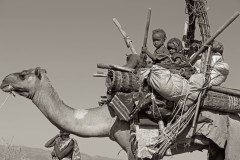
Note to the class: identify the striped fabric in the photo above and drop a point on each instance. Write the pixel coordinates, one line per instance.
(64, 143)
(123, 104)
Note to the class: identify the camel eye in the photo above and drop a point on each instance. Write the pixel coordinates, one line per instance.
(22, 76)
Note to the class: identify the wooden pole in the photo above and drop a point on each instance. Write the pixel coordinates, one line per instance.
(202, 93)
(120, 68)
(209, 41)
(229, 91)
(147, 28)
(184, 38)
(103, 66)
(125, 36)
(192, 21)
(100, 72)
(99, 75)
(114, 67)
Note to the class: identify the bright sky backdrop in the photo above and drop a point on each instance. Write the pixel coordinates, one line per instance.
(69, 38)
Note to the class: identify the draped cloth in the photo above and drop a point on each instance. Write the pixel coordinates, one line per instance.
(219, 69)
(123, 104)
(64, 143)
(76, 151)
(218, 130)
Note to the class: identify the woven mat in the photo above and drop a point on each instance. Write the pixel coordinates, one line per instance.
(221, 102)
(118, 81)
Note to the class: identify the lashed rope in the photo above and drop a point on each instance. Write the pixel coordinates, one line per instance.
(178, 122)
(168, 136)
(180, 119)
(197, 10)
(6, 99)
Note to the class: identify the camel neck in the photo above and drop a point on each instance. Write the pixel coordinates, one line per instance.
(81, 122)
(47, 96)
(49, 103)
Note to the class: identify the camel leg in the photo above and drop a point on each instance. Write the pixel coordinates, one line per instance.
(121, 134)
(219, 155)
(215, 153)
(122, 138)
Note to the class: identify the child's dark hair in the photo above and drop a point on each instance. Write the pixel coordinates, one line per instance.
(158, 30)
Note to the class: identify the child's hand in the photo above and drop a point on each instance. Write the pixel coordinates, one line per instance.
(178, 60)
(144, 49)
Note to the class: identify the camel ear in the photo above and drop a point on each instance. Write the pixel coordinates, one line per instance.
(38, 72)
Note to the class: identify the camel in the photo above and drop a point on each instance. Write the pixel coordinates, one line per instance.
(94, 122)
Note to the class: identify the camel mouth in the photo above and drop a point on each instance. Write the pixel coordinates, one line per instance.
(9, 88)
(6, 88)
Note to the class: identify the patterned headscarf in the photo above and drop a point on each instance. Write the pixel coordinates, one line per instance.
(177, 43)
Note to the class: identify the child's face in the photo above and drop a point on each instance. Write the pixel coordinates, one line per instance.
(171, 48)
(64, 135)
(158, 39)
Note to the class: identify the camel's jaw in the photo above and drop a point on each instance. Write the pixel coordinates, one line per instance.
(6, 87)
(9, 87)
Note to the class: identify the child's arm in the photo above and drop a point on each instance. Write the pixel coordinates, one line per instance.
(150, 55)
(51, 142)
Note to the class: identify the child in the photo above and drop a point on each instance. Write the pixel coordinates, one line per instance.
(65, 148)
(161, 54)
(174, 46)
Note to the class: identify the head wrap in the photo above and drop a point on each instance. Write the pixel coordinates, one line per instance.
(217, 47)
(177, 43)
(64, 133)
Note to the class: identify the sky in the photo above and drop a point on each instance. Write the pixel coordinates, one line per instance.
(69, 38)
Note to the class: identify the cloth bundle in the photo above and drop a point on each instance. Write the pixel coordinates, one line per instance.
(172, 87)
(219, 69)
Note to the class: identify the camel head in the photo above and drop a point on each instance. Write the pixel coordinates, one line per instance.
(24, 83)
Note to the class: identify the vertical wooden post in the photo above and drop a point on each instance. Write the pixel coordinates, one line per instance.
(147, 28)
